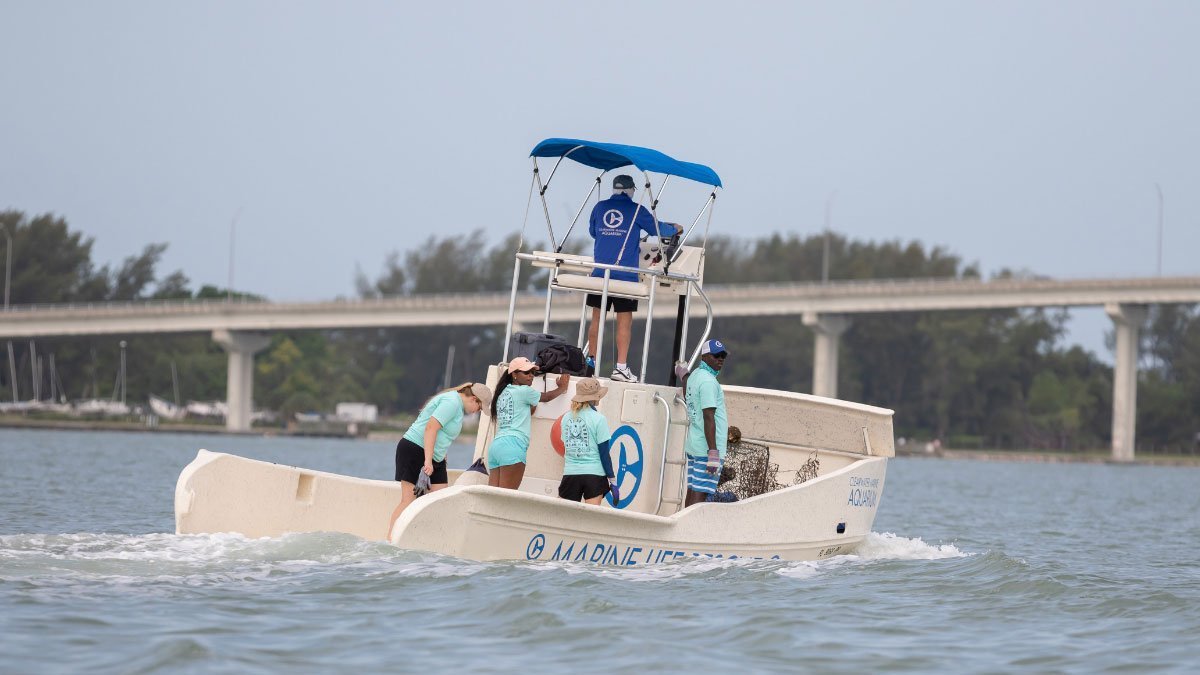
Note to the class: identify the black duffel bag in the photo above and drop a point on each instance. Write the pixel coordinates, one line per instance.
(562, 358)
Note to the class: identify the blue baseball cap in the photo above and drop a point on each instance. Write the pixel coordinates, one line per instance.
(713, 347)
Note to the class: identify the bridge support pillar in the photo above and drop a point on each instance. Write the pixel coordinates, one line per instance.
(828, 329)
(239, 388)
(1127, 319)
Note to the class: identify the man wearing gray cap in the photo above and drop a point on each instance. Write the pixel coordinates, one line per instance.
(611, 225)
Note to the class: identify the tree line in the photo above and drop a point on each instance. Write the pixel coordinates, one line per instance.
(986, 378)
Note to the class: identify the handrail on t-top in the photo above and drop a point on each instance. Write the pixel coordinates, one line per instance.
(691, 281)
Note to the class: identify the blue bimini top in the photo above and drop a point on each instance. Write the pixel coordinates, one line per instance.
(608, 156)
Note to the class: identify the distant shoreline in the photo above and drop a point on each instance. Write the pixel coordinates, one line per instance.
(168, 428)
(1042, 457)
(374, 435)
(468, 438)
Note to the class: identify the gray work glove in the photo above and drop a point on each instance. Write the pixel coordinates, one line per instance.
(422, 485)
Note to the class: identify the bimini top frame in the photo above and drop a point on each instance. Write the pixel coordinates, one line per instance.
(607, 157)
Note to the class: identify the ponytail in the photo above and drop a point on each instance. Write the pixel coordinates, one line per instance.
(505, 380)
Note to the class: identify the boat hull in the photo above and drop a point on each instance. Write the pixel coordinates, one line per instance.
(828, 515)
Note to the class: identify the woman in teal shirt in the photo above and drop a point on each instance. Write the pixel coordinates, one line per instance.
(587, 467)
(512, 409)
(423, 448)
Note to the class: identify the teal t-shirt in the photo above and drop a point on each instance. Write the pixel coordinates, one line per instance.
(513, 411)
(582, 434)
(447, 408)
(703, 391)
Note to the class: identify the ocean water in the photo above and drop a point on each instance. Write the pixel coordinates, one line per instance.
(973, 567)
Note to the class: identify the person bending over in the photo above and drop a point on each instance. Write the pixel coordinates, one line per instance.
(423, 447)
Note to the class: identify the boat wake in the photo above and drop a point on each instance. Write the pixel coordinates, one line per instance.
(888, 546)
(199, 560)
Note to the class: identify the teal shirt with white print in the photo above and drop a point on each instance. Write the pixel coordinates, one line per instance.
(703, 391)
(447, 409)
(582, 434)
(513, 411)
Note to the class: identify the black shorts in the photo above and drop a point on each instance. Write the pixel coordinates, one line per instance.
(410, 459)
(615, 304)
(582, 486)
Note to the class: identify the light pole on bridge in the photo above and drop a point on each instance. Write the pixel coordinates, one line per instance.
(825, 256)
(232, 229)
(12, 361)
(1160, 226)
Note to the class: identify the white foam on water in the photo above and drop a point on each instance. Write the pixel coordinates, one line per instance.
(889, 546)
(122, 558)
(188, 548)
(440, 567)
(806, 569)
(205, 559)
(876, 546)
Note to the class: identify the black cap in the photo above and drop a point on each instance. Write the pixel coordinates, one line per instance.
(623, 182)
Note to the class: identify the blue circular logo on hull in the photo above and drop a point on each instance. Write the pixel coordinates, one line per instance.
(629, 462)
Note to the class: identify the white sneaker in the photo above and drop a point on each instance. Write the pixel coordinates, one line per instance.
(623, 375)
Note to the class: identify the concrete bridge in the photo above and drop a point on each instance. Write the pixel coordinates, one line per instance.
(826, 308)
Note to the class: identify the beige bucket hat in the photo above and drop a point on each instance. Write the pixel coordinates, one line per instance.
(482, 392)
(588, 389)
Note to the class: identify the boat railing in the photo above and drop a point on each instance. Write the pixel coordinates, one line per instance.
(691, 285)
(662, 469)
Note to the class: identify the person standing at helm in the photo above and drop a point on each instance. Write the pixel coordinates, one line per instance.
(610, 225)
(708, 423)
(512, 408)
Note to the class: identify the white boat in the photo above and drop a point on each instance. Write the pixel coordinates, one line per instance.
(102, 407)
(58, 408)
(19, 406)
(829, 457)
(165, 409)
(207, 409)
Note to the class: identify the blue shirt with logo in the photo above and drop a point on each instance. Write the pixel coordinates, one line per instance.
(615, 245)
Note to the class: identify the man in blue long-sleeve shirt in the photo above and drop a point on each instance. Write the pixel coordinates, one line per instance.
(610, 226)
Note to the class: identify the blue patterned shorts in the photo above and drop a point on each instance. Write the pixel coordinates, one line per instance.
(699, 479)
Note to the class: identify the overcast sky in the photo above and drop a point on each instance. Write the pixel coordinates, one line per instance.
(1026, 135)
